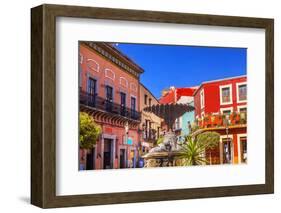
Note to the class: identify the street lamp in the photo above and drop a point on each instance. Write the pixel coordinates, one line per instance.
(126, 131)
(227, 131)
(126, 126)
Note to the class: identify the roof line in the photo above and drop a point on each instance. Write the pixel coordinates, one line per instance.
(217, 80)
(224, 79)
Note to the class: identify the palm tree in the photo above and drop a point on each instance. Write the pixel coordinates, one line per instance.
(194, 148)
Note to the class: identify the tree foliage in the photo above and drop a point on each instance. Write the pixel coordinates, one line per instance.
(160, 140)
(193, 150)
(209, 139)
(89, 131)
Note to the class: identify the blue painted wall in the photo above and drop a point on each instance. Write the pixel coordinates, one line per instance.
(188, 116)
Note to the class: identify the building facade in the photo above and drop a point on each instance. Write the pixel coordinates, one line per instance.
(150, 123)
(221, 106)
(110, 93)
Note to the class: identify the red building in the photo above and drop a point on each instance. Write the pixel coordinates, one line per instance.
(182, 125)
(221, 106)
(109, 91)
(173, 95)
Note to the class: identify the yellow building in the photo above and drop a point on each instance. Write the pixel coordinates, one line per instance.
(150, 123)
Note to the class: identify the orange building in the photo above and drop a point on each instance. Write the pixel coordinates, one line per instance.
(109, 91)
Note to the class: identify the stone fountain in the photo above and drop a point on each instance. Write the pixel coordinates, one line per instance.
(165, 154)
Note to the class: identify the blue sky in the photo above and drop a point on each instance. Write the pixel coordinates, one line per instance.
(184, 66)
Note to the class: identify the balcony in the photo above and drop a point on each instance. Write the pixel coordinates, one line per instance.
(219, 120)
(99, 103)
(150, 135)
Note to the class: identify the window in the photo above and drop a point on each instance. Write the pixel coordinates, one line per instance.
(133, 103)
(92, 86)
(133, 108)
(123, 103)
(202, 99)
(145, 99)
(242, 109)
(241, 92)
(109, 98)
(243, 113)
(147, 128)
(149, 102)
(123, 99)
(225, 94)
(226, 112)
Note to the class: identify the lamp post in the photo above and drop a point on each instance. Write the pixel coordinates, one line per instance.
(126, 131)
(227, 131)
(126, 126)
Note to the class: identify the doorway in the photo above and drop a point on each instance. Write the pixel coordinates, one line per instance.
(122, 159)
(90, 160)
(227, 150)
(107, 154)
(243, 149)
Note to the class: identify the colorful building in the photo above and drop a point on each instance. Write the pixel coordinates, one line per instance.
(221, 106)
(150, 123)
(110, 93)
(182, 96)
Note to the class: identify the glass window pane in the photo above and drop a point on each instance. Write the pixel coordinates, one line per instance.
(225, 95)
(242, 92)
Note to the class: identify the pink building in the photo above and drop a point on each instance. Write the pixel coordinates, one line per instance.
(109, 92)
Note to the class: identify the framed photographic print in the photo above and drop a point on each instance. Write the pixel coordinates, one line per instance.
(137, 106)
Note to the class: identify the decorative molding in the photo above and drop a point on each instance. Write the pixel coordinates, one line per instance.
(237, 92)
(113, 59)
(133, 87)
(109, 74)
(230, 94)
(93, 65)
(123, 81)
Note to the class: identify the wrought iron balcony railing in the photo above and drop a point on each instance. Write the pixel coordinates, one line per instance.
(219, 120)
(149, 135)
(95, 101)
